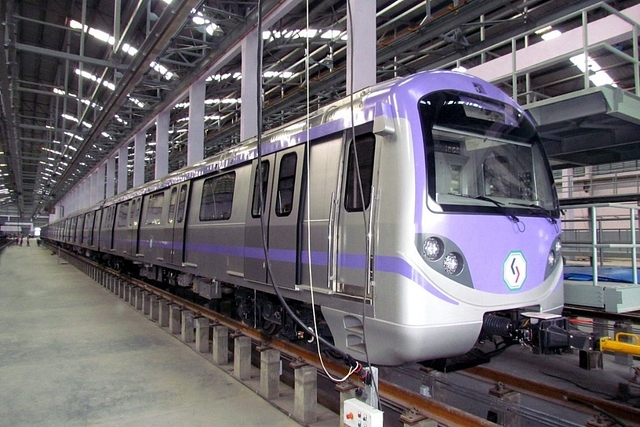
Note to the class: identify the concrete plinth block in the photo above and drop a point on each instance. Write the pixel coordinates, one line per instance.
(120, 286)
(202, 334)
(163, 313)
(498, 412)
(187, 333)
(132, 295)
(622, 358)
(175, 316)
(127, 292)
(347, 391)
(242, 358)
(146, 303)
(154, 307)
(269, 373)
(305, 398)
(415, 419)
(220, 345)
(138, 299)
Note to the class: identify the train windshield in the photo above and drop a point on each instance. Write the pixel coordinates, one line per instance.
(484, 155)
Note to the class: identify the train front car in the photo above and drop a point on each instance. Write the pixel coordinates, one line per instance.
(470, 228)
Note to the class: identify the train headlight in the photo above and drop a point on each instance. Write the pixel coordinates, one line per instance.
(551, 258)
(433, 248)
(452, 263)
(558, 246)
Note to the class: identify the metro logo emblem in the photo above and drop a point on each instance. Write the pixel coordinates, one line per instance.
(514, 270)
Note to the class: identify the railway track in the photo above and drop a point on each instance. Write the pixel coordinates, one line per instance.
(578, 311)
(411, 407)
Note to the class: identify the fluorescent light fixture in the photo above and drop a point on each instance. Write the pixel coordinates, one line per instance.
(551, 35)
(579, 62)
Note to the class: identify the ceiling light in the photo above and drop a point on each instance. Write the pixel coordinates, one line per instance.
(579, 62)
(551, 35)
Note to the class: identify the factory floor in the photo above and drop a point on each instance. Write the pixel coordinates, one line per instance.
(73, 354)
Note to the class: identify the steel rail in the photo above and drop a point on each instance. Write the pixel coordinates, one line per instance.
(554, 394)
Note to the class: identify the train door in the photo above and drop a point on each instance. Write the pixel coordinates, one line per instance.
(176, 220)
(254, 260)
(95, 229)
(134, 226)
(283, 220)
(355, 220)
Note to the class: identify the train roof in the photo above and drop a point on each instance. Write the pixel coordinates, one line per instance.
(338, 116)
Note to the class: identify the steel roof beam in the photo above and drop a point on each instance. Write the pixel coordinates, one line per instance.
(71, 56)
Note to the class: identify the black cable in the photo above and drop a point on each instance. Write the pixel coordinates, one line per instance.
(348, 359)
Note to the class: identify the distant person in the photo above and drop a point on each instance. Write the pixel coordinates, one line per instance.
(21, 238)
(28, 240)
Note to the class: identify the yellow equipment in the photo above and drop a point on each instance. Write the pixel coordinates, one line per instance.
(623, 342)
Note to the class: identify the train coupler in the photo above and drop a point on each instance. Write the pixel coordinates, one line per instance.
(544, 333)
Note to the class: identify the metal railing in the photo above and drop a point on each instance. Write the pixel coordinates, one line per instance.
(590, 236)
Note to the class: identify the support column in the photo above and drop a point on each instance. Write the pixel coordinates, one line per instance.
(220, 345)
(101, 175)
(162, 144)
(195, 148)
(249, 84)
(123, 156)
(202, 334)
(242, 357)
(138, 158)
(93, 188)
(111, 177)
(361, 46)
(305, 398)
(269, 372)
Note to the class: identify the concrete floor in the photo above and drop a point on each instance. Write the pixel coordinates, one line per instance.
(73, 354)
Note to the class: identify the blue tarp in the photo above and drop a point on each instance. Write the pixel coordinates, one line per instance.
(605, 274)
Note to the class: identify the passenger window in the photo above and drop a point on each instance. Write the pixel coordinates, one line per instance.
(181, 203)
(132, 220)
(217, 197)
(136, 216)
(154, 210)
(172, 206)
(255, 205)
(123, 213)
(286, 184)
(359, 173)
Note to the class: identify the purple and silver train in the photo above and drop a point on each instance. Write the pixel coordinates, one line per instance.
(412, 210)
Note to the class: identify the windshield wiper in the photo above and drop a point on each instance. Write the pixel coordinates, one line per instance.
(547, 212)
(500, 205)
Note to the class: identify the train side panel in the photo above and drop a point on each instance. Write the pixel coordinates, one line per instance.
(214, 238)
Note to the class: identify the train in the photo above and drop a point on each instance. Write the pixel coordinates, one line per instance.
(407, 213)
